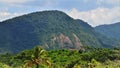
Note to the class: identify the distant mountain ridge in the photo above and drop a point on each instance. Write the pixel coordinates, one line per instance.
(111, 30)
(51, 30)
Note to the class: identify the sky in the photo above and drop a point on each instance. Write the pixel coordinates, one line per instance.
(94, 12)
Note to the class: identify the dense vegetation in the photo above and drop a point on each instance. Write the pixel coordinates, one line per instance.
(52, 30)
(40, 58)
(112, 30)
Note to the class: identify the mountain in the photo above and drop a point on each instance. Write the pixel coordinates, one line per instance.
(112, 30)
(51, 30)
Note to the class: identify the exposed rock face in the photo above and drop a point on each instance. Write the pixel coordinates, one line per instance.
(77, 42)
(64, 41)
(53, 40)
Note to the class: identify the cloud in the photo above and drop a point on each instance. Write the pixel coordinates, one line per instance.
(92, 13)
(97, 16)
(14, 1)
(4, 15)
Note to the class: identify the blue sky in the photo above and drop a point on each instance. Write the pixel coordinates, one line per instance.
(95, 12)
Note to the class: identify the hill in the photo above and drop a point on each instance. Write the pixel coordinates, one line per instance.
(51, 30)
(112, 30)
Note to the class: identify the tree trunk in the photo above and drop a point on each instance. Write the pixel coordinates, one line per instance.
(37, 65)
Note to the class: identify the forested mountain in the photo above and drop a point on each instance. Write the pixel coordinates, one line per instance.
(51, 30)
(112, 30)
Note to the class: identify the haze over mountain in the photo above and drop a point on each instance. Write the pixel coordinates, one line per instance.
(51, 30)
(112, 30)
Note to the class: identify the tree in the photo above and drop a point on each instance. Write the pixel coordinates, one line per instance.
(38, 57)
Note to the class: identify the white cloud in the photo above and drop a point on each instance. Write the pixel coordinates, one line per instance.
(14, 1)
(97, 16)
(7, 15)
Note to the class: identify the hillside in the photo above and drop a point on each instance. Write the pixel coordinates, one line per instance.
(51, 30)
(112, 30)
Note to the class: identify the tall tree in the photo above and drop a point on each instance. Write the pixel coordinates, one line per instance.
(38, 57)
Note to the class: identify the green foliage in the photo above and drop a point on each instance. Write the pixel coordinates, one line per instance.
(90, 57)
(4, 66)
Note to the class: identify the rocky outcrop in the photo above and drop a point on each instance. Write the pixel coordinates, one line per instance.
(65, 41)
(78, 44)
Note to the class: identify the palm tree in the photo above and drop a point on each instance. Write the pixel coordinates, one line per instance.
(38, 57)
